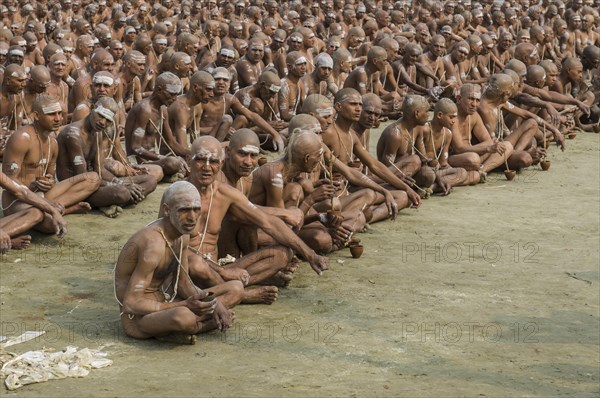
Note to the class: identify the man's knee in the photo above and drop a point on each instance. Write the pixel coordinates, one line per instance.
(171, 165)
(227, 119)
(234, 289)
(521, 159)
(184, 320)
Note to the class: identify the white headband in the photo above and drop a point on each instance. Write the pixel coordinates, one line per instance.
(3, 51)
(462, 48)
(70, 49)
(17, 52)
(173, 88)
(22, 43)
(274, 88)
(161, 41)
(103, 79)
(256, 46)
(105, 112)
(227, 52)
(138, 59)
(52, 108)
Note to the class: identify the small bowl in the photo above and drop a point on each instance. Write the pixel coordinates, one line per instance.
(545, 164)
(356, 250)
(510, 174)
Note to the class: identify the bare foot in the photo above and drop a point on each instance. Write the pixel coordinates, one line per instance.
(537, 154)
(280, 279)
(20, 242)
(260, 295)
(178, 338)
(111, 211)
(79, 208)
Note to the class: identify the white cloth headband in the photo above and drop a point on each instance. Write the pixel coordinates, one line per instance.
(161, 41)
(274, 88)
(17, 52)
(22, 43)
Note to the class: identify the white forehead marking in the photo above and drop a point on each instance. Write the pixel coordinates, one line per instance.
(227, 52)
(174, 88)
(301, 60)
(52, 108)
(17, 52)
(325, 111)
(105, 112)
(250, 149)
(103, 79)
(274, 88)
(161, 41)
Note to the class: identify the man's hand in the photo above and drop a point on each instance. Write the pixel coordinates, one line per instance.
(559, 138)
(391, 205)
(278, 144)
(223, 317)
(44, 184)
(58, 206)
(136, 192)
(323, 192)
(414, 198)
(293, 217)
(583, 107)
(5, 243)
(319, 263)
(553, 113)
(497, 147)
(199, 307)
(444, 186)
(59, 223)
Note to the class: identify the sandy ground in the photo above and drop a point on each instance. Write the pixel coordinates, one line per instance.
(492, 291)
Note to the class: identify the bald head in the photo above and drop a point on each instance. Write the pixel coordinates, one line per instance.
(376, 53)
(244, 138)
(344, 94)
(46, 105)
(180, 195)
(527, 53)
(317, 104)
(445, 106)
(413, 103)
(301, 145)
(536, 76)
(206, 148)
(517, 66)
(304, 122)
(499, 84)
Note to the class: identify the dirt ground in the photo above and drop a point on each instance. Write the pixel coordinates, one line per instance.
(492, 291)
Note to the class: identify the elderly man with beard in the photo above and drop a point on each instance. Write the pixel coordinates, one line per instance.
(83, 146)
(147, 127)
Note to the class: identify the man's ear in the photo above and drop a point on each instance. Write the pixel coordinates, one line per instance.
(35, 116)
(165, 209)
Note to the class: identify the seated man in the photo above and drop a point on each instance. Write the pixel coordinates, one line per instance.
(261, 98)
(85, 145)
(494, 101)
(401, 148)
(30, 160)
(216, 119)
(331, 218)
(153, 287)
(437, 137)
(473, 148)
(147, 125)
(220, 198)
(367, 79)
(17, 223)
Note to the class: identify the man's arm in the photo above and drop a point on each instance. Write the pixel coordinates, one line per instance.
(178, 121)
(478, 131)
(552, 96)
(381, 171)
(242, 208)
(16, 149)
(255, 118)
(560, 140)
